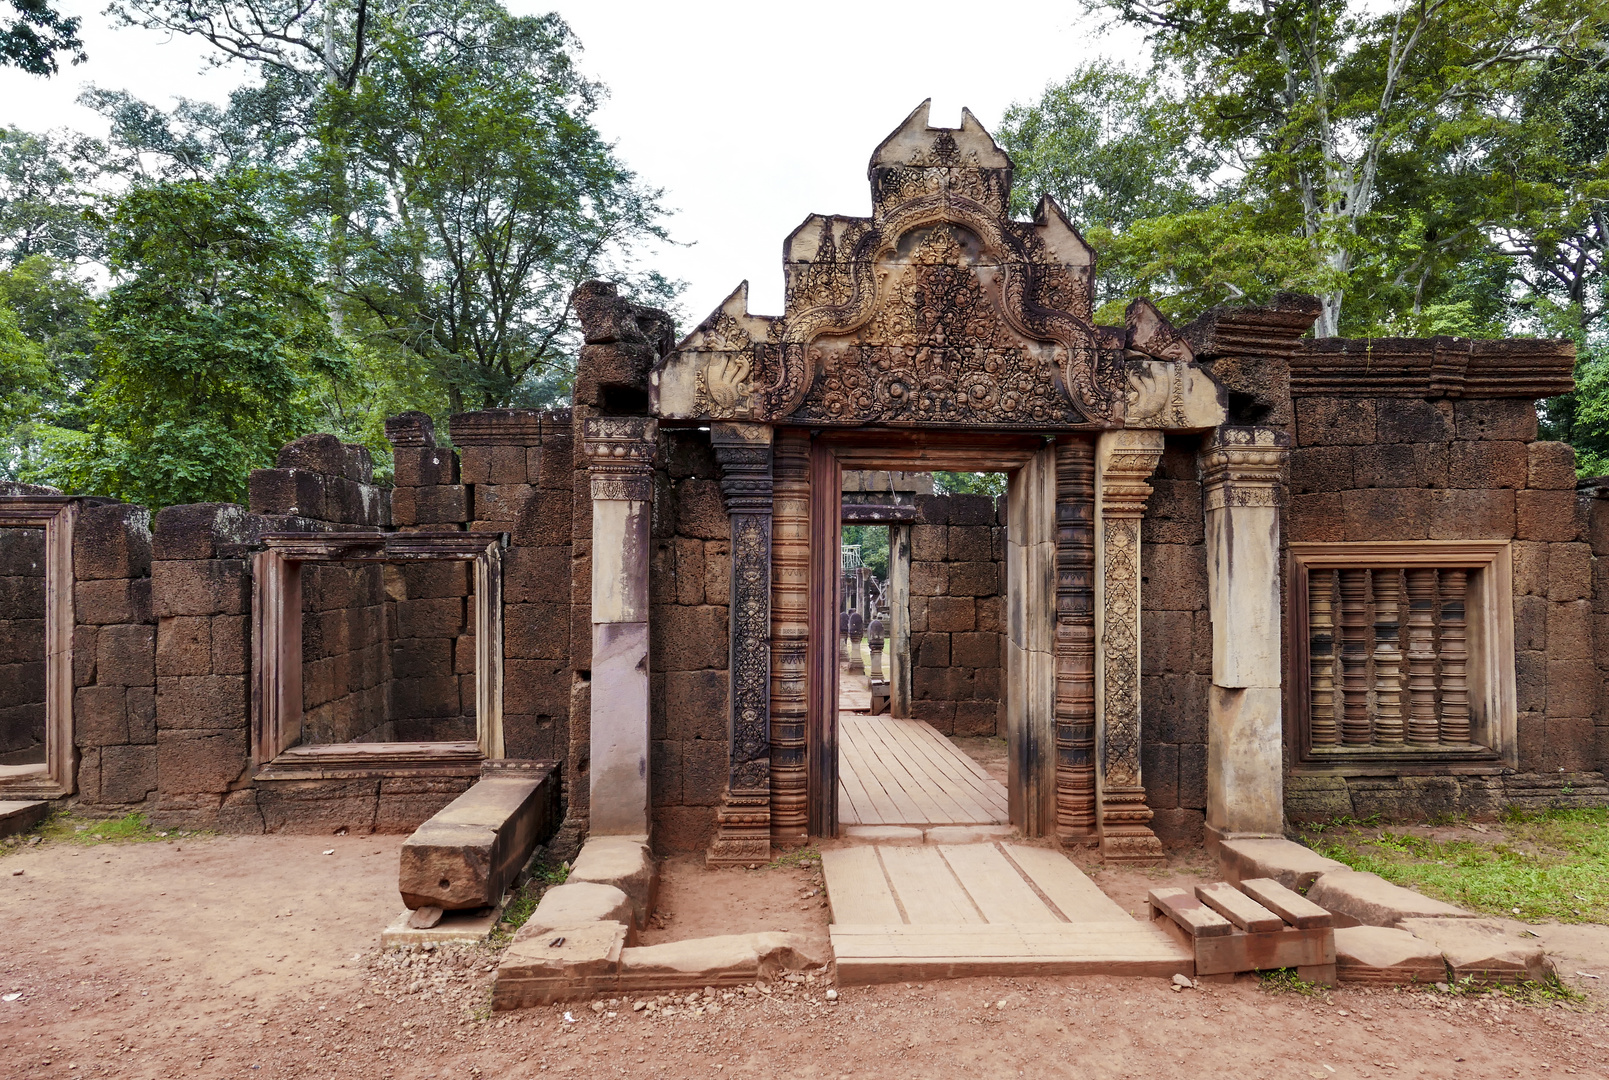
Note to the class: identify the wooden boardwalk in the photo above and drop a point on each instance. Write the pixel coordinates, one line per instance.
(949, 911)
(903, 772)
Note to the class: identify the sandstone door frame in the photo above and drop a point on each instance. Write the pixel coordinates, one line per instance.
(1029, 462)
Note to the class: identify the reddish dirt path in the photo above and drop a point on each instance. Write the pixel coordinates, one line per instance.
(164, 962)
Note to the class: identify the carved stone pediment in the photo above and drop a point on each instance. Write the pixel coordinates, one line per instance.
(939, 309)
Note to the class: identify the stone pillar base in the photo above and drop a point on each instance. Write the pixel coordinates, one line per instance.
(1126, 835)
(742, 830)
(1214, 836)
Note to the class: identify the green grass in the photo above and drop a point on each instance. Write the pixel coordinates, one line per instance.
(1553, 864)
(523, 903)
(1286, 981)
(65, 827)
(792, 859)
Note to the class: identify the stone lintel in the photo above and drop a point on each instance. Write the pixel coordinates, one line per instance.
(469, 853)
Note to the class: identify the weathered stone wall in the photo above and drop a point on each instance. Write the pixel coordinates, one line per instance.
(958, 569)
(1175, 647)
(114, 656)
(22, 646)
(1387, 468)
(345, 661)
(689, 592)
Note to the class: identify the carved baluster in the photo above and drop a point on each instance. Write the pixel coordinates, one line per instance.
(790, 632)
(1423, 729)
(1322, 728)
(1354, 658)
(1388, 729)
(1454, 657)
(1075, 640)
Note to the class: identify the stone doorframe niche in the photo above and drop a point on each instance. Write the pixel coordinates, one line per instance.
(276, 698)
(56, 514)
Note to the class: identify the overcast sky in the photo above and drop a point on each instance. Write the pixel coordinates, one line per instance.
(749, 115)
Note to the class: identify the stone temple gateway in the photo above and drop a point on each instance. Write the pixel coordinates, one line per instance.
(1245, 577)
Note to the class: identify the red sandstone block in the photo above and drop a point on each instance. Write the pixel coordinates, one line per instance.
(1572, 688)
(128, 773)
(112, 541)
(1385, 514)
(1316, 518)
(689, 638)
(536, 687)
(112, 600)
(929, 543)
(1531, 622)
(932, 650)
(1495, 418)
(536, 575)
(443, 504)
(125, 655)
(1335, 422)
(1570, 745)
(974, 579)
(33, 633)
(951, 614)
(1530, 567)
(202, 702)
(700, 511)
(184, 645)
(196, 761)
(696, 705)
(717, 572)
(439, 617)
(1183, 567)
(556, 463)
(928, 579)
(976, 650)
(494, 465)
(502, 502)
(199, 587)
(1570, 631)
(1471, 515)
(1551, 466)
(977, 717)
(424, 466)
(970, 510)
(141, 714)
(100, 716)
(291, 491)
(198, 531)
(689, 571)
(1548, 515)
(1413, 420)
(545, 519)
(1569, 572)
(990, 617)
(536, 631)
(705, 768)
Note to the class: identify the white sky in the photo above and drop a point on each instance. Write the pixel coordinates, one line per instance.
(749, 115)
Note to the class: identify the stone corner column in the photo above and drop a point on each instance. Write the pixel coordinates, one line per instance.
(1240, 471)
(743, 820)
(1124, 460)
(619, 453)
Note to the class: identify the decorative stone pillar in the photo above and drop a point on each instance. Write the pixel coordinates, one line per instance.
(1240, 472)
(1123, 462)
(743, 821)
(790, 634)
(619, 454)
(1075, 641)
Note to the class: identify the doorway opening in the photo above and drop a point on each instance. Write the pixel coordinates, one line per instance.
(921, 638)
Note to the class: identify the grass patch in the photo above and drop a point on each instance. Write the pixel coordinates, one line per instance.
(1551, 864)
(792, 860)
(523, 903)
(1286, 981)
(66, 827)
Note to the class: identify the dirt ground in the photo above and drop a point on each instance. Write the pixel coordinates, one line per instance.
(258, 957)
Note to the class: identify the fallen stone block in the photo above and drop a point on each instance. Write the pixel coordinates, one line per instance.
(1483, 948)
(576, 904)
(578, 962)
(1371, 900)
(18, 817)
(1382, 956)
(731, 960)
(470, 852)
(624, 862)
(1287, 862)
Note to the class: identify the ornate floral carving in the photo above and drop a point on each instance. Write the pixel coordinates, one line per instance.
(1242, 467)
(620, 456)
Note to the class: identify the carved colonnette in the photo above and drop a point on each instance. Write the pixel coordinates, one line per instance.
(743, 821)
(1075, 640)
(1241, 471)
(790, 634)
(1123, 462)
(619, 452)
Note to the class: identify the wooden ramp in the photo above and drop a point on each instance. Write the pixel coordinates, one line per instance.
(903, 772)
(948, 911)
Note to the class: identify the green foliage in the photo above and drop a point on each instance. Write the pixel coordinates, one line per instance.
(970, 483)
(44, 191)
(24, 378)
(873, 541)
(1553, 864)
(210, 343)
(32, 38)
(1287, 981)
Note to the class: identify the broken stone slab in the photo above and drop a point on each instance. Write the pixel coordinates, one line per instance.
(424, 918)
(968, 834)
(577, 903)
(1483, 948)
(1371, 900)
(1383, 956)
(17, 818)
(624, 862)
(730, 960)
(577, 962)
(470, 852)
(882, 834)
(1287, 862)
(453, 926)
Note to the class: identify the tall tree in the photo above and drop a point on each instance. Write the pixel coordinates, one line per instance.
(211, 341)
(1319, 103)
(35, 34)
(46, 184)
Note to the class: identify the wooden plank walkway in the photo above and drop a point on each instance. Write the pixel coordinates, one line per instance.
(903, 772)
(954, 910)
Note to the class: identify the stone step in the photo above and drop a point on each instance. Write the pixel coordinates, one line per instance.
(17, 818)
